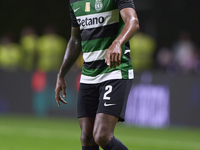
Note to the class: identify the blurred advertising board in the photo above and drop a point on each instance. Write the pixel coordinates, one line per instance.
(156, 99)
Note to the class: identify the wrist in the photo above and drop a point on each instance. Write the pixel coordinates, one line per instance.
(60, 75)
(116, 42)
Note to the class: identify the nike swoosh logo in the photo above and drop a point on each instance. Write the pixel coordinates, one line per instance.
(75, 10)
(106, 105)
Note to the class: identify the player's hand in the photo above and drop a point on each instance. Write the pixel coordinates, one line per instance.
(113, 55)
(60, 86)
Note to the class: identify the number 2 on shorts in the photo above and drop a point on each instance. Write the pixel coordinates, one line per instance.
(108, 89)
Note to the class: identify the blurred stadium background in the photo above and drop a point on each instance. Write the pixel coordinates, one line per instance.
(163, 111)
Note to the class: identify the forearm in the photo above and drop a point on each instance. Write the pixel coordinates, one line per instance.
(72, 53)
(128, 31)
(130, 28)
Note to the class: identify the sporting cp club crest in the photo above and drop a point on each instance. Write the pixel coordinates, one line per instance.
(98, 5)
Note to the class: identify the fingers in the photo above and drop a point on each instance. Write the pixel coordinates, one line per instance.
(62, 100)
(113, 57)
(64, 91)
(107, 58)
(60, 85)
(115, 60)
(119, 60)
(57, 97)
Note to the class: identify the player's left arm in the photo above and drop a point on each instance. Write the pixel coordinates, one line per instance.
(113, 54)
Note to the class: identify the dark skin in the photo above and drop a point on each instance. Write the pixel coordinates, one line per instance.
(98, 130)
(72, 53)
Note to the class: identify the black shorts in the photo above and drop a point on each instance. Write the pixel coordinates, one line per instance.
(109, 97)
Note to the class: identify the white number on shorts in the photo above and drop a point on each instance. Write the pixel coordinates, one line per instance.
(108, 88)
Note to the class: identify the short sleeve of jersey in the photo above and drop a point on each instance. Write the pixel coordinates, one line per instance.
(124, 4)
(73, 18)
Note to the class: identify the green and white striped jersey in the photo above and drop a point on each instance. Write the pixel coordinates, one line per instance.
(100, 23)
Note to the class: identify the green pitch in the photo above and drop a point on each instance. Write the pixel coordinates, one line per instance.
(29, 133)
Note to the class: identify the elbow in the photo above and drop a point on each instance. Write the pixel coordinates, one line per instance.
(136, 24)
(133, 24)
(75, 41)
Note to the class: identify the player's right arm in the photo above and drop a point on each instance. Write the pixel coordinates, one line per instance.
(72, 53)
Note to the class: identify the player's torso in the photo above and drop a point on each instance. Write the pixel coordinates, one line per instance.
(100, 23)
